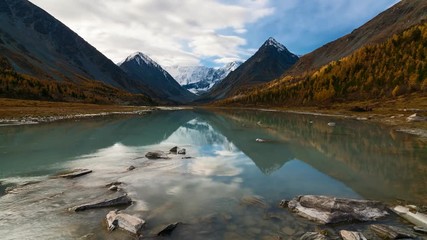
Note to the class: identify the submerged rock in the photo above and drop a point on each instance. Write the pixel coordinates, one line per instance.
(253, 201)
(124, 221)
(313, 236)
(324, 209)
(113, 188)
(15, 189)
(182, 151)
(118, 201)
(348, 235)
(130, 168)
(389, 232)
(331, 124)
(74, 173)
(168, 229)
(156, 155)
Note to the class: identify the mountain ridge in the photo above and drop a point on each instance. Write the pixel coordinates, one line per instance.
(396, 19)
(267, 64)
(141, 67)
(38, 45)
(199, 79)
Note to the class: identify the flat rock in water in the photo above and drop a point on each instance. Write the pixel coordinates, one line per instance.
(390, 232)
(168, 229)
(74, 173)
(118, 201)
(313, 236)
(156, 155)
(420, 229)
(324, 209)
(124, 221)
(411, 214)
(348, 235)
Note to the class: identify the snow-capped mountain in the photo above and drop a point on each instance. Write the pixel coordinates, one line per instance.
(199, 79)
(142, 68)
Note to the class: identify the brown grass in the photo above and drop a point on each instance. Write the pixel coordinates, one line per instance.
(18, 109)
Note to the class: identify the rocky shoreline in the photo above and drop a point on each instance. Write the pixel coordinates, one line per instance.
(334, 218)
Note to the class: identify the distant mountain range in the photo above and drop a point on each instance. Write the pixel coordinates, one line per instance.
(200, 79)
(142, 68)
(41, 58)
(268, 63)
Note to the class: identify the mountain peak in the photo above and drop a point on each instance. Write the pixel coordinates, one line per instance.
(274, 43)
(141, 59)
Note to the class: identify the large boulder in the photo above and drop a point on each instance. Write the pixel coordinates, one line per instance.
(124, 221)
(324, 209)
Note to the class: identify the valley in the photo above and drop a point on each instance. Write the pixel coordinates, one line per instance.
(217, 120)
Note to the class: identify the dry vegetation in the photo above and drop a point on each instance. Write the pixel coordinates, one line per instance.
(18, 109)
(376, 73)
(20, 86)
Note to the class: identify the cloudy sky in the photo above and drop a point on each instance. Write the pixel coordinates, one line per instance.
(209, 32)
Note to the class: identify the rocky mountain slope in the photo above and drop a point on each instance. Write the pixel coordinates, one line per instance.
(267, 64)
(401, 16)
(38, 45)
(142, 68)
(378, 73)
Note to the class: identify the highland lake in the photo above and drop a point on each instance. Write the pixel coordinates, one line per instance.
(231, 186)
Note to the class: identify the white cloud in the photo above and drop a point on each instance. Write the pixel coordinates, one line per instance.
(171, 32)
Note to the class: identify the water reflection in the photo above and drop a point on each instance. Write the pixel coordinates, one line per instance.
(372, 159)
(305, 156)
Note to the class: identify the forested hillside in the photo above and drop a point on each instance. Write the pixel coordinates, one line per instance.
(395, 67)
(15, 85)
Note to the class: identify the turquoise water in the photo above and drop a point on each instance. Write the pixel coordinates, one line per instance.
(213, 191)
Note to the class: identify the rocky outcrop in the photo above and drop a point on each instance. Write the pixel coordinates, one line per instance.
(124, 221)
(324, 209)
(113, 202)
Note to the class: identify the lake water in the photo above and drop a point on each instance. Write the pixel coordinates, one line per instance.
(231, 186)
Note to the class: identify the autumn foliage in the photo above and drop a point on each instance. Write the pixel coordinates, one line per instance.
(15, 85)
(382, 71)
